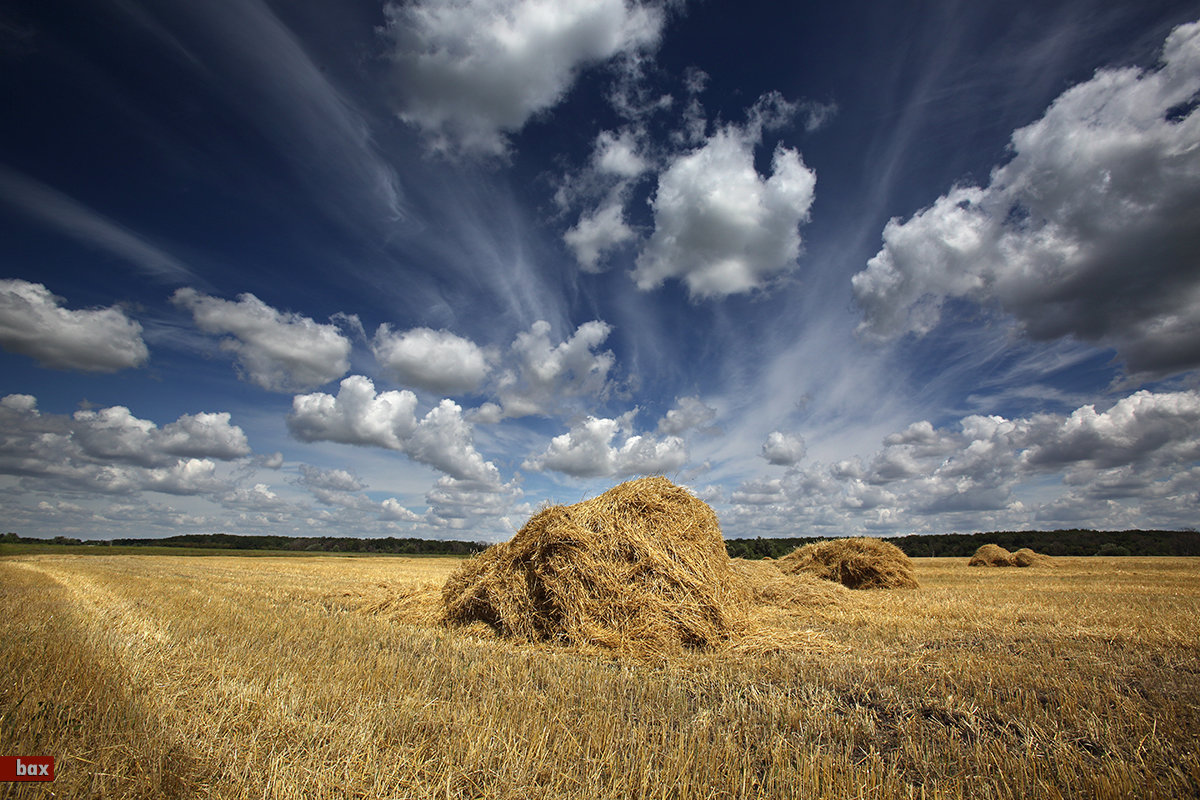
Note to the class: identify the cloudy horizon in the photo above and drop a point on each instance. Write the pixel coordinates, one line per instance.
(417, 268)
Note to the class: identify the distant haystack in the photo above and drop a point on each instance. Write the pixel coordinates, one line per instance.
(991, 555)
(1028, 558)
(640, 568)
(857, 563)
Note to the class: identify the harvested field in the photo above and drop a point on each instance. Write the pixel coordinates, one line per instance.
(232, 677)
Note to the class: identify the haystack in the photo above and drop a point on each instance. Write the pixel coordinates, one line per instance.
(640, 568)
(770, 586)
(991, 555)
(857, 563)
(1028, 558)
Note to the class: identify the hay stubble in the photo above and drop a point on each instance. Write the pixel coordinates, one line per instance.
(289, 678)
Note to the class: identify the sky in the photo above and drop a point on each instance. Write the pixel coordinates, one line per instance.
(418, 268)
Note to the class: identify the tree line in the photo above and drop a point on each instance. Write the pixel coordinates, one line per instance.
(324, 544)
(1073, 542)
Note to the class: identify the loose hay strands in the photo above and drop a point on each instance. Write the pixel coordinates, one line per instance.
(641, 568)
(769, 585)
(857, 563)
(415, 604)
(991, 555)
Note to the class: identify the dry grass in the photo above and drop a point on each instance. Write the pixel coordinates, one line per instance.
(857, 563)
(154, 677)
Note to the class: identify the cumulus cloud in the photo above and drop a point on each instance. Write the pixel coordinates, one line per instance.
(259, 497)
(439, 361)
(1090, 230)
(486, 509)
(115, 434)
(783, 448)
(392, 510)
(358, 415)
(587, 451)
(617, 154)
(336, 487)
(34, 323)
(598, 233)
(689, 413)
(719, 226)
(278, 351)
(113, 451)
(545, 373)
(469, 73)
(1139, 454)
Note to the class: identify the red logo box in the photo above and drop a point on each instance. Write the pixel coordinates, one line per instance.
(26, 768)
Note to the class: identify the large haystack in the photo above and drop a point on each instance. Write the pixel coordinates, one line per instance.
(857, 563)
(1028, 558)
(991, 555)
(640, 568)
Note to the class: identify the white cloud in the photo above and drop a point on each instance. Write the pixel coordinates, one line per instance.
(391, 509)
(336, 487)
(597, 233)
(204, 435)
(472, 71)
(783, 448)
(1159, 427)
(279, 351)
(190, 476)
(359, 416)
(617, 154)
(718, 225)
(112, 451)
(546, 374)
(439, 361)
(1137, 460)
(33, 323)
(487, 510)
(689, 413)
(338, 480)
(586, 451)
(114, 434)
(258, 497)
(1088, 231)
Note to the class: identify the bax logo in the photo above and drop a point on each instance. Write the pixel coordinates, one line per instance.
(26, 768)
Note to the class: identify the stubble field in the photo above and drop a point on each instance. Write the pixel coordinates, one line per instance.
(162, 676)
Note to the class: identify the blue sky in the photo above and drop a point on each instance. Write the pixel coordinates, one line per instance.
(417, 268)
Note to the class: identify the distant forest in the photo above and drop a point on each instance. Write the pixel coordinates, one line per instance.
(1075, 542)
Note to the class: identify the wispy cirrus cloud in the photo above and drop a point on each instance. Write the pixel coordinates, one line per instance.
(68, 216)
(262, 68)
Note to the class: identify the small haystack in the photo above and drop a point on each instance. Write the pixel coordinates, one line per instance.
(857, 563)
(640, 568)
(991, 555)
(1028, 558)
